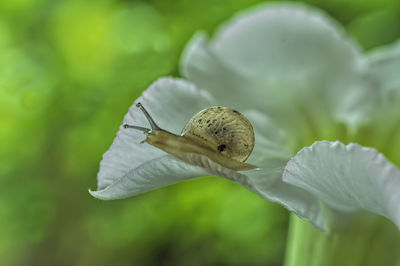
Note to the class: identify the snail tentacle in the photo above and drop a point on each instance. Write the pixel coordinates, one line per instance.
(153, 124)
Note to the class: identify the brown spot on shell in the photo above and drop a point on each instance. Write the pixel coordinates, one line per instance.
(221, 147)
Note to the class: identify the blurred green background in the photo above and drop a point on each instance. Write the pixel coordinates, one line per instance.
(69, 70)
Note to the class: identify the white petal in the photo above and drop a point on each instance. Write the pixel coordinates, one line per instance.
(152, 174)
(171, 103)
(281, 43)
(384, 129)
(384, 65)
(290, 60)
(267, 182)
(271, 142)
(286, 40)
(203, 67)
(347, 178)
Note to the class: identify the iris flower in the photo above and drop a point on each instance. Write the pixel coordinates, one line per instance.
(307, 88)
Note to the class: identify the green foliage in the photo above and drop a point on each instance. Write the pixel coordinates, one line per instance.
(69, 70)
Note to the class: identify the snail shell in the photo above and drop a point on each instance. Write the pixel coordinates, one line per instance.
(224, 130)
(223, 135)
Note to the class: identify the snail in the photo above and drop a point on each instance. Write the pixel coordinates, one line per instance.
(221, 134)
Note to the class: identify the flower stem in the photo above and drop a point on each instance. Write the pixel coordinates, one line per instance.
(366, 241)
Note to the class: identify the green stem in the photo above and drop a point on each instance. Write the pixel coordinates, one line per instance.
(369, 240)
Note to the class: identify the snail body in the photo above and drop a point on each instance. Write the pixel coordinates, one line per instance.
(221, 134)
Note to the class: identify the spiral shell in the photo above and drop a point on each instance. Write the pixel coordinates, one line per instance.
(224, 130)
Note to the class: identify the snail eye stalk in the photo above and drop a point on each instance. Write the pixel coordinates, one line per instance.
(153, 124)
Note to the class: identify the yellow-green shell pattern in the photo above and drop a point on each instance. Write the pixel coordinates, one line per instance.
(224, 130)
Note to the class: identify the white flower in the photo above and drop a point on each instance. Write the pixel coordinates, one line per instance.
(296, 75)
